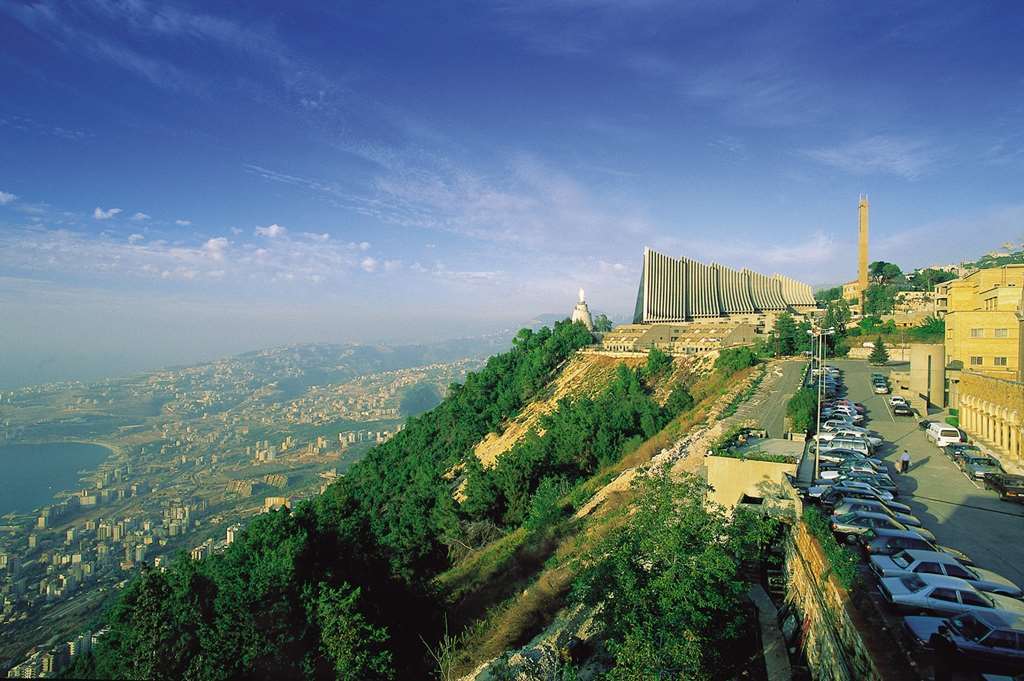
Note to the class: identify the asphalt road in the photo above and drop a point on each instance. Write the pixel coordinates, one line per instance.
(960, 512)
(768, 406)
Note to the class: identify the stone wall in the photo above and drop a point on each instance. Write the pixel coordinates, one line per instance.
(833, 642)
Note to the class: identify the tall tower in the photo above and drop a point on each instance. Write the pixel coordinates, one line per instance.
(862, 259)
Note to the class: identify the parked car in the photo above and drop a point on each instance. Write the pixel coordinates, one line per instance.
(880, 480)
(883, 542)
(957, 450)
(858, 464)
(854, 505)
(902, 410)
(944, 596)
(849, 526)
(844, 490)
(942, 434)
(986, 637)
(897, 399)
(860, 433)
(1008, 487)
(881, 388)
(914, 561)
(847, 487)
(855, 444)
(978, 467)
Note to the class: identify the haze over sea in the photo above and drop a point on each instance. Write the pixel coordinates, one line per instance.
(34, 472)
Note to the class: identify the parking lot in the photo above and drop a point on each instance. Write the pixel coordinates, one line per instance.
(960, 512)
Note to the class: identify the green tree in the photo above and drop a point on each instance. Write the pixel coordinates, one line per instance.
(785, 335)
(602, 324)
(357, 650)
(419, 398)
(670, 582)
(879, 354)
(885, 272)
(837, 316)
(928, 278)
(879, 299)
(657, 363)
(679, 400)
(731, 360)
(827, 295)
(545, 508)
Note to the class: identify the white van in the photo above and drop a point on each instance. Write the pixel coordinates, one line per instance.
(943, 434)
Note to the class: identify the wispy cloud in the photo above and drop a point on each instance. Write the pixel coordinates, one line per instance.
(6, 197)
(904, 157)
(100, 214)
(183, 223)
(271, 231)
(139, 217)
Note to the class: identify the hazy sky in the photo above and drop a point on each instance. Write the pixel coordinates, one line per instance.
(180, 181)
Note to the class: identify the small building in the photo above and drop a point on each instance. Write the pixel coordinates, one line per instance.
(754, 474)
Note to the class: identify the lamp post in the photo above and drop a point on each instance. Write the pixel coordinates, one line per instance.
(820, 357)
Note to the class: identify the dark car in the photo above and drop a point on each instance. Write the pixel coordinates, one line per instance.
(840, 493)
(957, 450)
(980, 467)
(885, 542)
(1008, 487)
(987, 637)
(902, 410)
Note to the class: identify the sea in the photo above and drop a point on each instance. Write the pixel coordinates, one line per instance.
(33, 473)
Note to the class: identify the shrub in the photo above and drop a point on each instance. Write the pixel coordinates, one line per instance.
(732, 360)
(802, 410)
(842, 559)
(679, 401)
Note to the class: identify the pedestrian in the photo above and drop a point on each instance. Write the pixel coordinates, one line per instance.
(943, 653)
(905, 461)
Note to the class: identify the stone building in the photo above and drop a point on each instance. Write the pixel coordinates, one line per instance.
(992, 411)
(684, 338)
(581, 313)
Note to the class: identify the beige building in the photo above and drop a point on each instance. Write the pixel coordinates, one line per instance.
(984, 314)
(681, 338)
(754, 479)
(992, 411)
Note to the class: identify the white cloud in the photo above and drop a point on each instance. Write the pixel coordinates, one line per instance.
(183, 223)
(236, 231)
(271, 231)
(215, 248)
(140, 216)
(316, 237)
(364, 246)
(101, 214)
(879, 154)
(135, 238)
(392, 265)
(369, 264)
(6, 197)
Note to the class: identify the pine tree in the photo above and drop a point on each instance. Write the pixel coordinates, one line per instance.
(879, 355)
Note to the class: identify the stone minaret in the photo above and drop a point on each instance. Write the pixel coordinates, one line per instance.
(862, 250)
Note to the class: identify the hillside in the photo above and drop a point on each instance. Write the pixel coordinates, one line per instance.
(355, 582)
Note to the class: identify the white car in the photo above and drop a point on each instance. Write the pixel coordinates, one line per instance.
(816, 491)
(898, 399)
(942, 434)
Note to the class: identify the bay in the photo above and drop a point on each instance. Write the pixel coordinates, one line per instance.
(32, 473)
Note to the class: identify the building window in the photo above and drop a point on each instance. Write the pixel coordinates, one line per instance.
(1002, 333)
(977, 333)
(999, 361)
(975, 361)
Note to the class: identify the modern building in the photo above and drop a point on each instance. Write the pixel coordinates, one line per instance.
(581, 313)
(684, 338)
(681, 290)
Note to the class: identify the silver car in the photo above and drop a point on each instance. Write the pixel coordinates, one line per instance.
(853, 505)
(850, 525)
(911, 561)
(943, 595)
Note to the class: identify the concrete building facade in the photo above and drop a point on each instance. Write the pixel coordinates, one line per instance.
(681, 289)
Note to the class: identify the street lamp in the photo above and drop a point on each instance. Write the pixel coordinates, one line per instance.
(820, 358)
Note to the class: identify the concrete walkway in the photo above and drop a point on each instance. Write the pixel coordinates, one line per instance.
(776, 659)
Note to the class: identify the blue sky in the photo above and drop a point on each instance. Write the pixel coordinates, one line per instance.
(181, 181)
